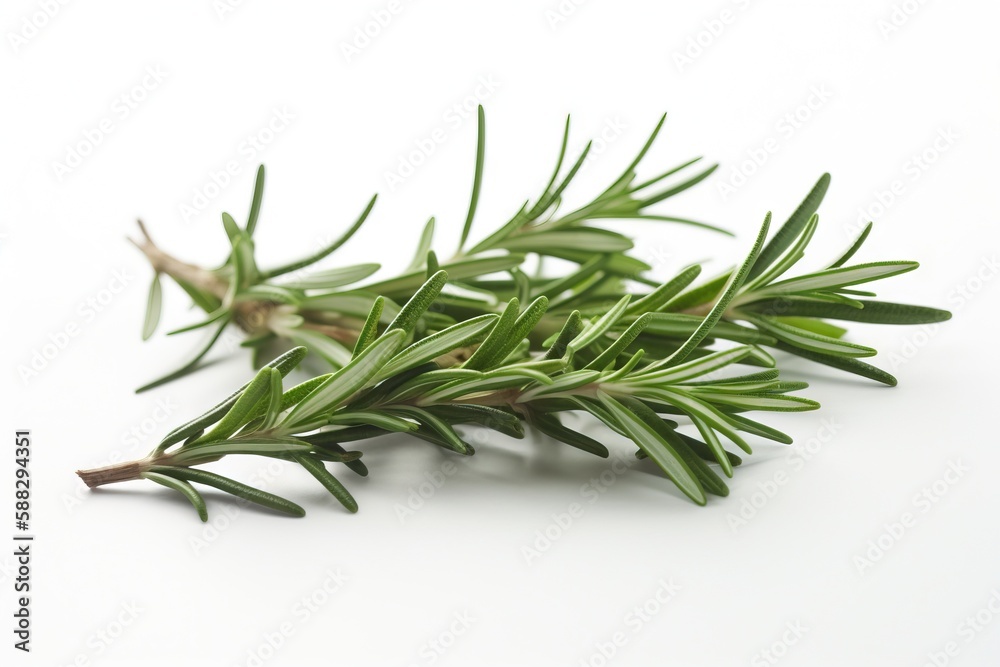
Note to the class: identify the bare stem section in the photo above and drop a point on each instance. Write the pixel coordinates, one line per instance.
(180, 271)
(118, 472)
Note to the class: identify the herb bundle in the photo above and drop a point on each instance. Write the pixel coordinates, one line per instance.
(449, 343)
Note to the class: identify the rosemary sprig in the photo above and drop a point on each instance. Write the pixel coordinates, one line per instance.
(390, 386)
(324, 309)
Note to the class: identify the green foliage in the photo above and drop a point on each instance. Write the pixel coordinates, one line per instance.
(482, 340)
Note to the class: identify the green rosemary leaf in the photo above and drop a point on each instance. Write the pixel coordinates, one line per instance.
(792, 227)
(848, 364)
(496, 340)
(657, 448)
(492, 418)
(333, 278)
(440, 427)
(816, 326)
(347, 381)
(423, 247)
(699, 295)
(316, 468)
(211, 319)
(692, 369)
(556, 287)
(839, 277)
(454, 337)
(552, 427)
(186, 489)
(565, 383)
(750, 426)
(190, 365)
(356, 303)
(552, 196)
(275, 293)
(711, 482)
(283, 364)
(607, 358)
(380, 418)
(312, 259)
(370, 329)
(682, 325)
(418, 304)
(332, 451)
(258, 196)
(523, 325)
(597, 329)
(843, 259)
(665, 292)
(204, 300)
(332, 351)
(769, 402)
(794, 253)
(876, 312)
(616, 263)
(232, 487)
(629, 172)
(808, 340)
(233, 230)
(590, 239)
(478, 180)
(154, 306)
(257, 446)
(242, 409)
(570, 330)
(677, 189)
(275, 401)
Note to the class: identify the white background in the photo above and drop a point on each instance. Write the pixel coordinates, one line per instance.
(884, 85)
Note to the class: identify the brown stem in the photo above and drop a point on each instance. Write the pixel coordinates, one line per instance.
(118, 472)
(251, 316)
(161, 262)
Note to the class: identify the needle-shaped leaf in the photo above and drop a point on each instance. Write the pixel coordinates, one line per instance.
(439, 426)
(876, 312)
(657, 449)
(839, 277)
(849, 253)
(347, 381)
(332, 278)
(419, 303)
(665, 292)
(454, 337)
(809, 340)
(231, 486)
(258, 196)
(552, 427)
(591, 239)
(275, 400)
(190, 365)
(721, 303)
(312, 259)
(186, 489)
(369, 332)
(610, 355)
(316, 468)
(154, 306)
(238, 415)
(596, 330)
(711, 482)
(423, 247)
(477, 182)
(789, 231)
(496, 340)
